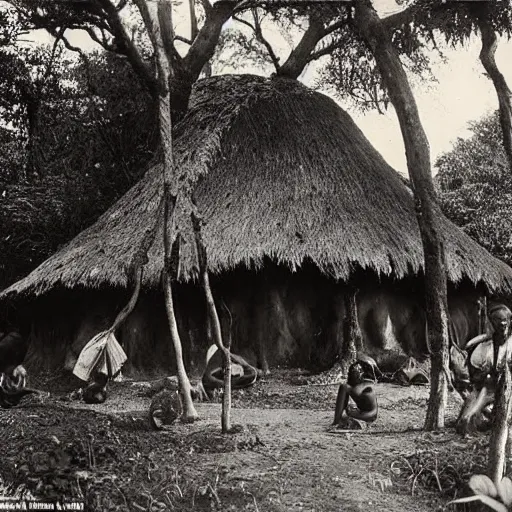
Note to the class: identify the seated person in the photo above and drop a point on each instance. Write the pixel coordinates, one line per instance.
(100, 360)
(13, 376)
(359, 388)
(12, 387)
(243, 374)
(486, 358)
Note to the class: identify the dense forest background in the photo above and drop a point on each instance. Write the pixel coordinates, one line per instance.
(475, 187)
(73, 139)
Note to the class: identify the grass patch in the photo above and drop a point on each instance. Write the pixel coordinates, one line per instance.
(117, 464)
(443, 471)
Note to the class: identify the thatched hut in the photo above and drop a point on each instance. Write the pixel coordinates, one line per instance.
(296, 202)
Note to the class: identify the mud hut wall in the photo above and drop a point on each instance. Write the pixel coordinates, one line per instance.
(281, 324)
(392, 324)
(297, 317)
(146, 339)
(55, 326)
(278, 311)
(464, 306)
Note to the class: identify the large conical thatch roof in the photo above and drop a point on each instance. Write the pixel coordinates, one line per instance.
(290, 177)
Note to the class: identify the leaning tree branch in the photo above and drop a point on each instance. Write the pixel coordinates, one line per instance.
(146, 18)
(213, 318)
(103, 41)
(259, 37)
(123, 314)
(326, 50)
(203, 47)
(72, 14)
(121, 5)
(500, 431)
(207, 6)
(401, 18)
(168, 41)
(58, 38)
(128, 48)
(167, 36)
(244, 22)
(335, 26)
(183, 39)
(76, 49)
(488, 60)
(298, 58)
(160, 26)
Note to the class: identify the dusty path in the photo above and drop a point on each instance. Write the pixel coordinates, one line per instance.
(299, 465)
(310, 469)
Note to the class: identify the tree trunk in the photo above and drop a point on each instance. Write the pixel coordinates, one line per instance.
(186, 70)
(135, 271)
(299, 57)
(262, 322)
(123, 314)
(214, 323)
(203, 47)
(189, 410)
(501, 425)
(352, 336)
(194, 29)
(34, 163)
(126, 46)
(427, 209)
(487, 57)
(162, 33)
(482, 315)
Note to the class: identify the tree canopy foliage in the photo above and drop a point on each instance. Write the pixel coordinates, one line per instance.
(88, 141)
(475, 187)
(319, 32)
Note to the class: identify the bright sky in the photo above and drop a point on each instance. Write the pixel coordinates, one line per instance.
(461, 94)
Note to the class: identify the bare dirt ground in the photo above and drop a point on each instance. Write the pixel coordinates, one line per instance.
(281, 458)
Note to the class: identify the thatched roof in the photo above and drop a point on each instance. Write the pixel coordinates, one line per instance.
(290, 177)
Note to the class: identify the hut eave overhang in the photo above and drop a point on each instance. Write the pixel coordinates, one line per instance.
(285, 174)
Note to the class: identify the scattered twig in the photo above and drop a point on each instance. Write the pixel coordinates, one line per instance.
(121, 493)
(214, 494)
(254, 501)
(415, 480)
